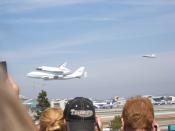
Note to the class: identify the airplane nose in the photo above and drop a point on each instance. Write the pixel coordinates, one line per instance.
(29, 74)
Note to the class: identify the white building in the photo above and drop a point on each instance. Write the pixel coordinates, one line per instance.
(171, 99)
(58, 103)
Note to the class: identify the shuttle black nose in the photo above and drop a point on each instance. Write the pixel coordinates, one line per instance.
(39, 68)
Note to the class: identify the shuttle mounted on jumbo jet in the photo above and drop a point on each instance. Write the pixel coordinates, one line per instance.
(57, 73)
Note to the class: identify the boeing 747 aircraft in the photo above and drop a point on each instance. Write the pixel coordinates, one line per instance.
(150, 56)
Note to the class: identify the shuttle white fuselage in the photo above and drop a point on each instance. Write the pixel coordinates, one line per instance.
(60, 69)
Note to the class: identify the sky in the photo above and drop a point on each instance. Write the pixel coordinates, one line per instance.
(108, 37)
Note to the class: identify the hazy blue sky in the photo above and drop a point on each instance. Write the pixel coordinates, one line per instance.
(108, 37)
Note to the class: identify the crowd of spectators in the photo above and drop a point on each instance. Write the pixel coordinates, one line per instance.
(78, 115)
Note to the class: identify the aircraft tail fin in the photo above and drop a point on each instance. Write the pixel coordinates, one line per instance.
(63, 65)
(79, 72)
(85, 74)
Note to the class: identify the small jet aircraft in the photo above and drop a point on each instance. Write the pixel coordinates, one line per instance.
(150, 56)
(80, 72)
(60, 69)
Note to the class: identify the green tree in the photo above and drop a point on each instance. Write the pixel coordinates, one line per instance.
(116, 123)
(43, 103)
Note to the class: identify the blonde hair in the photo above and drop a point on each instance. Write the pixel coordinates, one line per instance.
(52, 120)
(13, 116)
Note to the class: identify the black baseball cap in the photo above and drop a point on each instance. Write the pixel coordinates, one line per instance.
(79, 114)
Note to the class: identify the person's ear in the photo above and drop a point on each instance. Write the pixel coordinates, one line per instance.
(155, 126)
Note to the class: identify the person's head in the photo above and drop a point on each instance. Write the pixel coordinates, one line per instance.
(52, 120)
(138, 114)
(79, 114)
(13, 116)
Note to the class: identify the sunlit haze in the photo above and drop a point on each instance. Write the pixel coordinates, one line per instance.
(108, 37)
